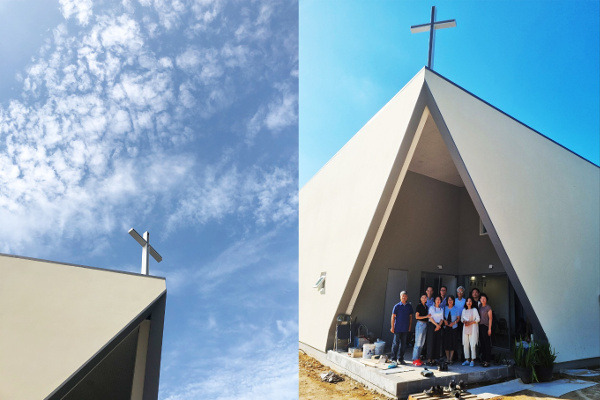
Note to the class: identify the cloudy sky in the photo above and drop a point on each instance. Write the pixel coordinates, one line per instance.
(536, 60)
(177, 117)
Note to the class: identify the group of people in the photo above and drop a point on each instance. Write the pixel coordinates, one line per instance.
(445, 324)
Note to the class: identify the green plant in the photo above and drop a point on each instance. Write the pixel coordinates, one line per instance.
(519, 354)
(546, 355)
(531, 359)
(526, 356)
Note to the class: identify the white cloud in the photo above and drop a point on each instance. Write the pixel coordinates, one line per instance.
(268, 195)
(72, 146)
(280, 113)
(260, 363)
(188, 60)
(80, 9)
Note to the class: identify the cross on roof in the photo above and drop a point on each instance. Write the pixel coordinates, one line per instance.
(146, 248)
(431, 27)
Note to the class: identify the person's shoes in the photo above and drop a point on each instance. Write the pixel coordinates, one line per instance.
(417, 363)
(401, 361)
(451, 385)
(462, 386)
(466, 362)
(472, 363)
(426, 373)
(430, 392)
(485, 364)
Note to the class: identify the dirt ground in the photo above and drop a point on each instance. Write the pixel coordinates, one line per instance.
(312, 388)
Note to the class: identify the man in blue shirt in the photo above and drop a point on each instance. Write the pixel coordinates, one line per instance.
(401, 325)
(430, 299)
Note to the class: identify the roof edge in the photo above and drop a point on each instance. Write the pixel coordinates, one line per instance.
(417, 75)
(64, 388)
(81, 266)
(508, 115)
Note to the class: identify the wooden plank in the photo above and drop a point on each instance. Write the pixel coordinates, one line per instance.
(445, 396)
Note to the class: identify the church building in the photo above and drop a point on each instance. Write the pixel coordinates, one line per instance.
(442, 188)
(73, 332)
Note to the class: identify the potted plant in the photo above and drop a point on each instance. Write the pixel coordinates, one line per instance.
(545, 362)
(525, 356)
(519, 354)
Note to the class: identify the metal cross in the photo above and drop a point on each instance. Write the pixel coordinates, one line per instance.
(146, 248)
(431, 27)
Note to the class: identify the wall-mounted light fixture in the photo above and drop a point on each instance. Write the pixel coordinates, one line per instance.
(320, 285)
(472, 278)
(490, 266)
(440, 267)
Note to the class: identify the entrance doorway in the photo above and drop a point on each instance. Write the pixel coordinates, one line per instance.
(436, 281)
(509, 318)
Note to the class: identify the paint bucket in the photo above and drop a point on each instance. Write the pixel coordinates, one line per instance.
(368, 350)
(354, 352)
(379, 347)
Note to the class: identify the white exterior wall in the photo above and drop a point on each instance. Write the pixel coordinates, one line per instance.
(55, 317)
(337, 207)
(544, 203)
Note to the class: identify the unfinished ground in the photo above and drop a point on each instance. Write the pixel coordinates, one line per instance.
(312, 388)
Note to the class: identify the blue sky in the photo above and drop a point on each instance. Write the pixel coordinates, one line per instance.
(177, 117)
(538, 61)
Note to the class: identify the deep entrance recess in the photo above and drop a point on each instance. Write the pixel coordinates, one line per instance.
(434, 237)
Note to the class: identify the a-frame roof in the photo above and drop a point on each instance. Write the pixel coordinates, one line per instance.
(59, 321)
(538, 200)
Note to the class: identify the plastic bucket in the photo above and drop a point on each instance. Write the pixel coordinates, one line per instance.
(368, 350)
(379, 347)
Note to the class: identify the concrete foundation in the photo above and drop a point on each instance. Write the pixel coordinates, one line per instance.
(401, 385)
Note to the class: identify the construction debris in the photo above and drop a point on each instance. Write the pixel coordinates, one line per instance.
(331, 377)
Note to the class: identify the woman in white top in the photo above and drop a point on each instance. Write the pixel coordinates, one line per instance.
(470, 319)
(434, 331)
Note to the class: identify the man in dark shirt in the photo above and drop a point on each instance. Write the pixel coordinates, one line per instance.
(443, 291)
(401, 325)
(422, 316)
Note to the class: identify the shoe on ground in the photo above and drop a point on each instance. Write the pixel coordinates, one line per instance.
(451, 385)
(465, 363)
(401, 362)
(472, 363)
(430, 391)
(417, 363)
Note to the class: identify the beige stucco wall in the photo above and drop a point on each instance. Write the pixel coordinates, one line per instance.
(476, 252)
(55, 317)
(543, 202)
(337, 207)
